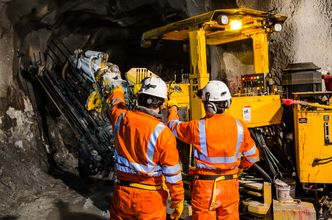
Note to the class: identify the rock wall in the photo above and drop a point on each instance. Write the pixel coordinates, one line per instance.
(23, 163)
(6, 50)
(312, 38)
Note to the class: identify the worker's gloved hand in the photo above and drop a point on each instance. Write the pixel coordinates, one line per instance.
(240, 172)
(109, 81)
(178, 209)
(172, 102)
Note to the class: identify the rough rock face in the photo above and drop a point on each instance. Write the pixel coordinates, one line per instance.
(7, 52)
(308, 31)
(27, 27)
(22, 158)
(23, 161)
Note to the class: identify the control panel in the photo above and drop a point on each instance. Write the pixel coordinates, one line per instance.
(252, 84)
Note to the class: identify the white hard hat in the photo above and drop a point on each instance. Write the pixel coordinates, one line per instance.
(215, 91)
(154, 86)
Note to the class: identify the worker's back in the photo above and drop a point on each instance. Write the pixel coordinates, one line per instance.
(145, 153)
(221, 133)
(222, 146)
(140, 139)
(219, 141)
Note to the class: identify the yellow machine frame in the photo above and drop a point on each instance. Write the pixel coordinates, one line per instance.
(212, 29)
(208, 29)
(313, 142)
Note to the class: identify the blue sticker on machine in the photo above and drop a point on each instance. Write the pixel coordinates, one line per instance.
(303, 120)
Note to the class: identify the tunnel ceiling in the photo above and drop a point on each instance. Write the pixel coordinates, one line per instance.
(113, 26)
(87, 17)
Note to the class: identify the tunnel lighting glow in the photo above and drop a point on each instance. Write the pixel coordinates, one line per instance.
(277, 27)
(224, 19)
(235, 25)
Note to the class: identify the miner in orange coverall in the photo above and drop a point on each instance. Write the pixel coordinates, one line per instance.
(145, 153)
(222, 146)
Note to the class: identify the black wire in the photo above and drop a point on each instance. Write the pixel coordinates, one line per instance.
(329, 158)
(319, 163)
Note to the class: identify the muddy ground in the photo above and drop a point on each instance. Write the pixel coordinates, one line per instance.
(60, 198)
(35, 184)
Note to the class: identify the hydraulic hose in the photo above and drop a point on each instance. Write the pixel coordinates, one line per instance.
(262, 172)
(265, 154)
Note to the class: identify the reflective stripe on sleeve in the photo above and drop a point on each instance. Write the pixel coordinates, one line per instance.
(170, 125)
(172, 169)
(116, 127)
(202, 136)
(195, 153)
(173, 179)
(116, 99)
(124, 169)
(173, 122)
(252, 160)
(250, 152)
(239, 137)
(152, 142)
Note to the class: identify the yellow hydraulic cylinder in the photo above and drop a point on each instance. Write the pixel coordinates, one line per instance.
(199, 76)
(261, 52)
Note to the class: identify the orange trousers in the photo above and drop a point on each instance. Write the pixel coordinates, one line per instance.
(227, 200)
(133, 203)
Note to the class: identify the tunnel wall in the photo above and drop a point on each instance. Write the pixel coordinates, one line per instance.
(23, 163)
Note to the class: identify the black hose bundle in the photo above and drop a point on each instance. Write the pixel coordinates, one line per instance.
(269, 160)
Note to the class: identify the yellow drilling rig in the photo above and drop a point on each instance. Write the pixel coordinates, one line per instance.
(259, 104)
(293, 180)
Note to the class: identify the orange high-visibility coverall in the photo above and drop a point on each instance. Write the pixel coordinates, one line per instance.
(145, 151)
(222, 145)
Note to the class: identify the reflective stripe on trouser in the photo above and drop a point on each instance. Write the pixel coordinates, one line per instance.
(226, 206)
(132, 203)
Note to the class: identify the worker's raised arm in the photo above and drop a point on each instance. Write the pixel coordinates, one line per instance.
(250, 153)
(184, 131)
(111, 90)
(117, 105)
